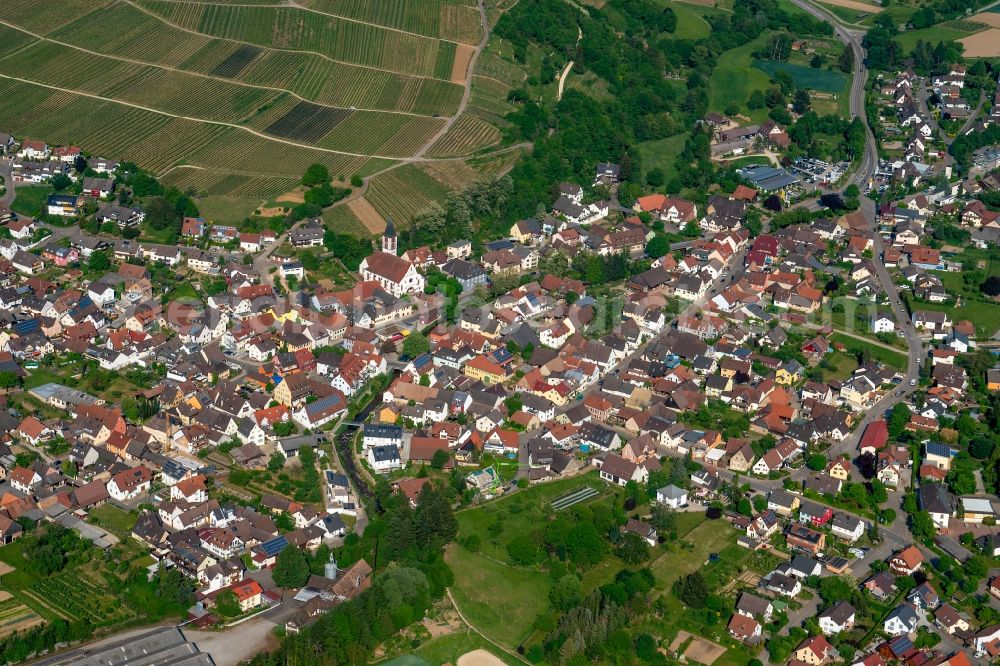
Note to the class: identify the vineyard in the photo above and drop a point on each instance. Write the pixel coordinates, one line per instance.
(80, 598)
(211, 183)
(467, 135)
(237, 98)
(449, 21)
(343, 221)
(294, 29)
(404, 192)
(15, 616)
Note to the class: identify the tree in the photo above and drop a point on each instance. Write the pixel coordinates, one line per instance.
(921, 525)
(226, 604)
(439, 459)
(658, 246)
(291, 570)
(692, 590)
(60, 181)
(816, 462)
(664, 518)
(8, 379)
(981, 447)
(898, 418)
(845, 61)
(566, 593)
(756, 100)
(633, 549)
(991, 287)
(415, 344)
(801, 102)
(276, 462)
(525, 550)
(655, 177)
(316, 174)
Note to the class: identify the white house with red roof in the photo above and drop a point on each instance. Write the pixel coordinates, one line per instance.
(130, 483)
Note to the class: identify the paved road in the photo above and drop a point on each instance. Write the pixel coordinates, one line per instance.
(862, 177)
(869, 161)
(6, 169)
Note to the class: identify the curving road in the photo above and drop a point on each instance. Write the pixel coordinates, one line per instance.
(863, 176)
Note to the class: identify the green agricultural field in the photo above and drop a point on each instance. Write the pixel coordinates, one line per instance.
(935, 34)
(735, 77)
(823, 80)
(845, 14)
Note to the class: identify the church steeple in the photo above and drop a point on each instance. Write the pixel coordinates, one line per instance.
(389, 240)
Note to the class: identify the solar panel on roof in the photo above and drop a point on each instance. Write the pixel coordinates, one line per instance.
(274, 546)
(502, 356)
(27, 326)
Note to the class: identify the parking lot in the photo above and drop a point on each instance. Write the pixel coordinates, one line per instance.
(819, 172)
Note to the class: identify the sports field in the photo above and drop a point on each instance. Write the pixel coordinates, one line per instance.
(237, 99)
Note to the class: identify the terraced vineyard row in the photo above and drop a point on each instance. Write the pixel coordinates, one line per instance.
(466, 136)
(165, 90)
(371, 133)
(126, 32)
(343, 221)
(41, 16)
(296, 29)
(404, 192)
(449, 21)
(489, 101)
(211, 183)
(152, 140)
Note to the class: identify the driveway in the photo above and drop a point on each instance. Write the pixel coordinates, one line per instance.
(244, 641)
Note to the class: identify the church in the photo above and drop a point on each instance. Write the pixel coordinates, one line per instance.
(397, 276)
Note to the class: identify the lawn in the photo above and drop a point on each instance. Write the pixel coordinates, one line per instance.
(741, 162)
(985, 316)
(690, 23)
(841, 366)
(823, 80)
(897, 360)
(710, 536)
(499, 600)
(735, 77)
(30, 200)
(114, 520)
(662, 154)
(520, 513)
(447, 649)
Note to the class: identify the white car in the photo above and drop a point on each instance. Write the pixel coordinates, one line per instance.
(913, 382)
